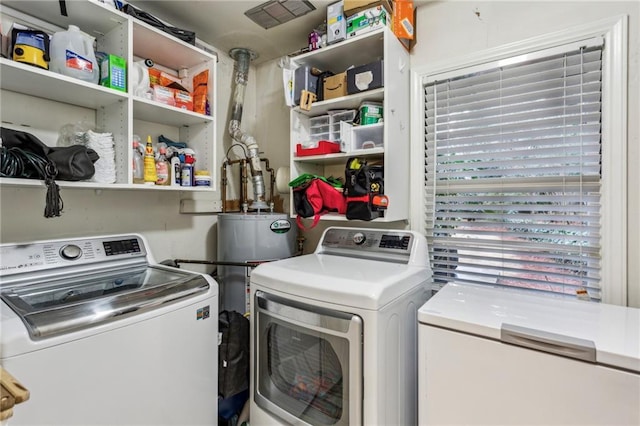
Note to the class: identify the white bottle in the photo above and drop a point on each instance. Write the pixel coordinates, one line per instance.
(175, 171)
(72, 54)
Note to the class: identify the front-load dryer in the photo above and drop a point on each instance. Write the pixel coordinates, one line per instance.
(334, 333)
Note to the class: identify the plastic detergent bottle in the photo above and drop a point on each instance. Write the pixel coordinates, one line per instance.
(72, 54)
(150, 176)
(176, 171)
(163, 169)
(138, 164)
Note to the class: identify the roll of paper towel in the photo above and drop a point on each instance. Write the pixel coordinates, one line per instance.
(282, 180)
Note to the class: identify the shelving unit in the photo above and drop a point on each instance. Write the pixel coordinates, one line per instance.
(54, 99)
(394, 153)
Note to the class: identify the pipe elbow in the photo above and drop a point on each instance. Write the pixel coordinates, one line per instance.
(234, 127)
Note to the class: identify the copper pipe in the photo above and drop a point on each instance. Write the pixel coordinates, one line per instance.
(244, 180)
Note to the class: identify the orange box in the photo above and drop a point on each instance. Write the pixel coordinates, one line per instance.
(403, 22)
(162, 78)
(184, 100)
(154, 76)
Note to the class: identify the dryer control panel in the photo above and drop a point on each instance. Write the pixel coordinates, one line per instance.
(381, 244)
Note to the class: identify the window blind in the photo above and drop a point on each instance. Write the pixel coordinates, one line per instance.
(513, 171)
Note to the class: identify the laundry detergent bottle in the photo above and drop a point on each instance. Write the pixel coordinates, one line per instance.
(72, 55)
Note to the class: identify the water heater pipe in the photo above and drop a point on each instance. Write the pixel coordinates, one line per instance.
(243, 57)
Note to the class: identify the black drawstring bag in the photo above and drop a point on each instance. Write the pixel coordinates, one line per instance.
(25, 156)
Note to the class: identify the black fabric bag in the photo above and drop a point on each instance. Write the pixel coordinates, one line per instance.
(25, 156)
(184, 35)
(233, 354)
(72, 163)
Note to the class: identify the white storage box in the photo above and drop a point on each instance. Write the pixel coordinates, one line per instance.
(355, 138)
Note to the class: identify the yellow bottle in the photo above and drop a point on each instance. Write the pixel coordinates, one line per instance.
(150, 176)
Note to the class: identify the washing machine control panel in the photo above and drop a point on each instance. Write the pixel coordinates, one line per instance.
(369, 242)
(46, 255)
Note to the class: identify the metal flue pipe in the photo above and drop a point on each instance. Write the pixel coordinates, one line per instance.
(243, 58)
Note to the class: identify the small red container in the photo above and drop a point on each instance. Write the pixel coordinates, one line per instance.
(324, 147)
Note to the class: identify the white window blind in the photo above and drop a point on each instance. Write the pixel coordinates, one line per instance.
(513, 171)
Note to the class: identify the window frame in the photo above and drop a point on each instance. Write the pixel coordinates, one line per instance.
(614, 31)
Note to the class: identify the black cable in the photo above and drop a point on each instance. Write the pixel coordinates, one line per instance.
(18, 163)
(226, 155)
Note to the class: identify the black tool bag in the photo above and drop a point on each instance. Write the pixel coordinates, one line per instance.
(233, 354)
(184, 35)
(363, 183)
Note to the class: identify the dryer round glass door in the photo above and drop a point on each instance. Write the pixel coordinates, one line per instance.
(308, 362)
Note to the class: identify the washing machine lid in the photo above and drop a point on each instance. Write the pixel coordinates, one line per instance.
(593, 332)
(63, 305)
(349, 282)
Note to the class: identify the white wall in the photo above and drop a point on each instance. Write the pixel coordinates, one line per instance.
(448, 30)
(155, 214)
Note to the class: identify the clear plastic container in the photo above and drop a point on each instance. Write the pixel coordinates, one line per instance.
(72, 55)
(138, 164)
(336, 118)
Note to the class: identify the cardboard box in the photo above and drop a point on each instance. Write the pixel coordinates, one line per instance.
(367, 20)
(164, 95)
(336, 23)
(403, 22)
(365, 77)
(352, 7)
(335, 86)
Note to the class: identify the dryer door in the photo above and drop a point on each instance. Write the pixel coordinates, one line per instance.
(308, 363)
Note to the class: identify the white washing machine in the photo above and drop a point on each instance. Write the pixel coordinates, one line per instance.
(102, 335)
(334, 333)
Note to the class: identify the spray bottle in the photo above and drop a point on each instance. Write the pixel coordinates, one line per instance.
(162, 168)
(187, 177)
(150, 176)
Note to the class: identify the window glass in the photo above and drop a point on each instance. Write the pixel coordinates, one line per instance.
(513, 172)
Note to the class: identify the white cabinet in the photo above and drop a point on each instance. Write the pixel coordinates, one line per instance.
(394, 153)
(41, 101)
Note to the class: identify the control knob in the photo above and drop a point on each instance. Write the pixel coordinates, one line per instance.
(359, 238)
(70, 252)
